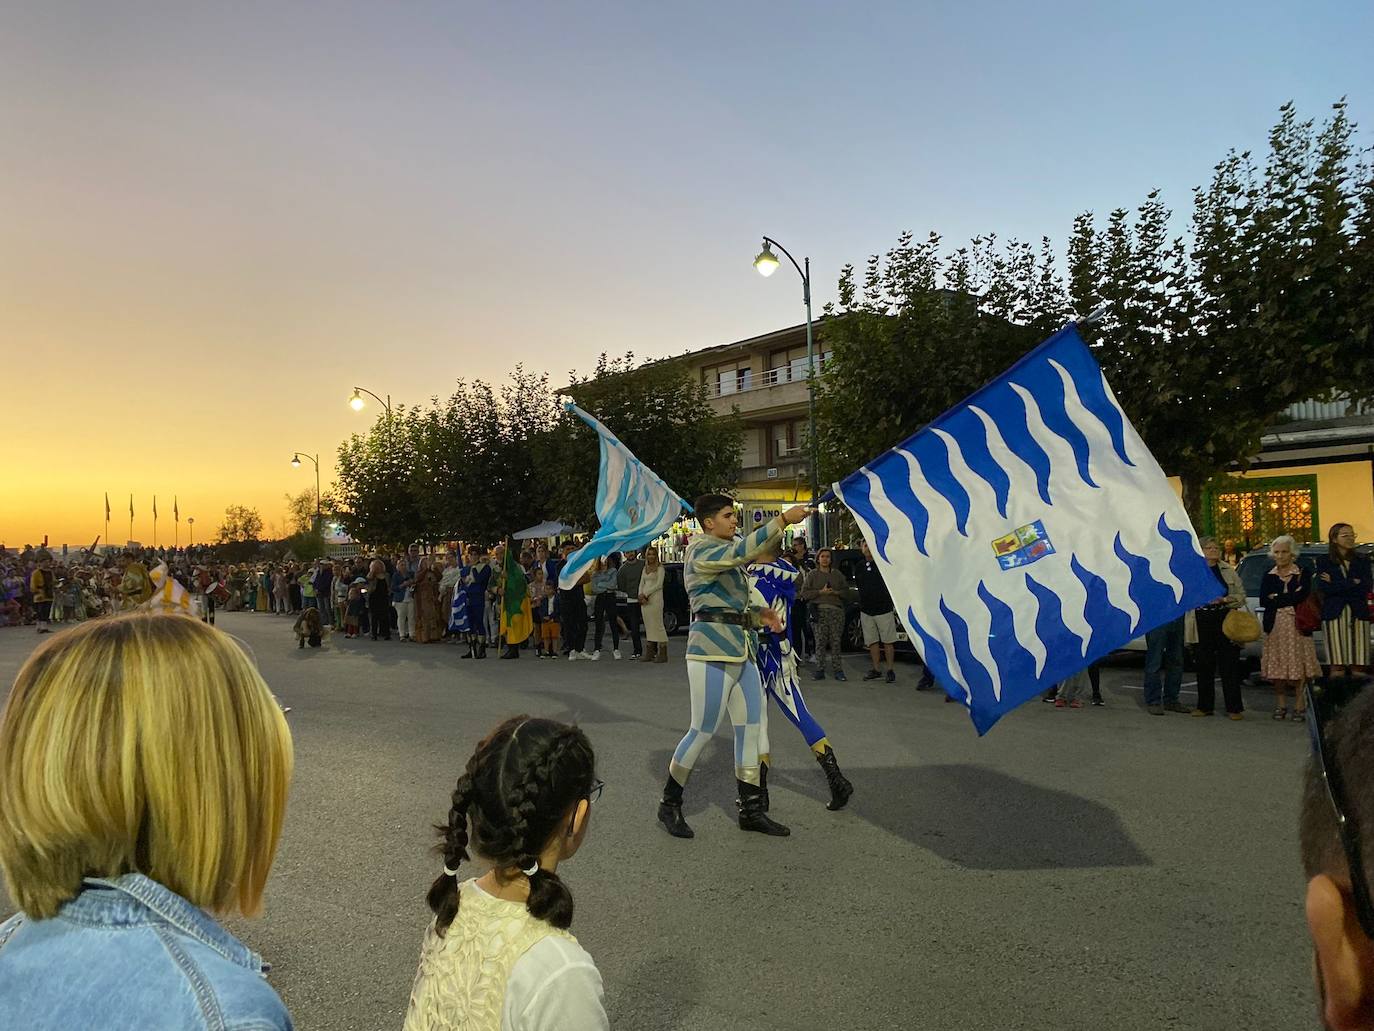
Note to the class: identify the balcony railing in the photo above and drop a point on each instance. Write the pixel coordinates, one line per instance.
(1314, 411)
(794, 373)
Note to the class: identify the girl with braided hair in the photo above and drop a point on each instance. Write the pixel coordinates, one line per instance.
(498, 955)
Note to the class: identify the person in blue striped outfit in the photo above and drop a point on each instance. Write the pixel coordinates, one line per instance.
(722, 649)
(776, 580)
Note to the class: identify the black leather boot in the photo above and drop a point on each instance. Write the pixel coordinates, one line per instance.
(840, 788)
(670, 811)
(763, 783)
(469, 654)
(481, 649)
(751, 814)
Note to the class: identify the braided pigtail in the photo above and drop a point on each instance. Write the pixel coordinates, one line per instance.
(520, 787)
(545, 780)
(443, 893)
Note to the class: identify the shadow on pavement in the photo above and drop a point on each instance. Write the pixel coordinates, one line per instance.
(976, 817)
(659, 992)
(584, 711)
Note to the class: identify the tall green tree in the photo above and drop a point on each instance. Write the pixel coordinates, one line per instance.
(376, 478)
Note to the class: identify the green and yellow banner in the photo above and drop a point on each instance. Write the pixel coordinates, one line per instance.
(517, 620)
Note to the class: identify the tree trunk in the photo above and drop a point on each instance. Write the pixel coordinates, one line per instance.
(1192, 499)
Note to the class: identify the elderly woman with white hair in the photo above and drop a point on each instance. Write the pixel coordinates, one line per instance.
(1289, 657)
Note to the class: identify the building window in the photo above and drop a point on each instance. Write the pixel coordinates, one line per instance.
(728, 379)
(786, 441)
(1254, 511)
(790, 365)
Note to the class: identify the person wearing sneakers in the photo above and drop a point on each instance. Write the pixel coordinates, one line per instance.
(1067, 693)
(825, 591)
(876, 615)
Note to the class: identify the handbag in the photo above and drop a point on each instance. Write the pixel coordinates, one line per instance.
(1241, 627)
(1307, 616)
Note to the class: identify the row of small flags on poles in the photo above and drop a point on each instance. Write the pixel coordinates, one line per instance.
(176, 512)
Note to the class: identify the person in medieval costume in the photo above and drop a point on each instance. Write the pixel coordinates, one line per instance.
(469, 603)
(722, 665)
(775, 579)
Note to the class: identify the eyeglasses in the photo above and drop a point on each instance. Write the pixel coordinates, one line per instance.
(598, 786)
(1323, 704)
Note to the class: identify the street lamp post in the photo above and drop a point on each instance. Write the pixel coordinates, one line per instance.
(191, 523)
(296, 463)
(356, 402)
(767, 263)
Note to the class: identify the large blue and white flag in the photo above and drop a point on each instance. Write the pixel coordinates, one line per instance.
(1028, 532)
(634, 506)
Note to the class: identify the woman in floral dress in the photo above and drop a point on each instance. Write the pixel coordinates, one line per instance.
(1289, 658)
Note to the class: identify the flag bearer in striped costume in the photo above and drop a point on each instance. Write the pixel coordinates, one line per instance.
(776, 579)
(722, 648)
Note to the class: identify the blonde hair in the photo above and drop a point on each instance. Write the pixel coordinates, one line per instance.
(145, 743)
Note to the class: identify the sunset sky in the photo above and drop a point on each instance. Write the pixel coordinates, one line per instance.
(216, 219)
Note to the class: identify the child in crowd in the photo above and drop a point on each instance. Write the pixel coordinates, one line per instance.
(547, 617)
(354, 611)
(308, 628)
(498, 951)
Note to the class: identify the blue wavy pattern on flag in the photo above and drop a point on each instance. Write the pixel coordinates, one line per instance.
(932, 651)
(895, 476)
(858, 496)
(976, 677)
(1044, 384)
(1181, 555)
(1148, 593)
(972, 436)
(1092, 391)
(933, 458)
(1015, 665)
(1109, 623)
(1008, 412)
(1050, 627)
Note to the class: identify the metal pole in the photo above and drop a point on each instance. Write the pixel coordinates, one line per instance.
(317, 493)
(817, 524)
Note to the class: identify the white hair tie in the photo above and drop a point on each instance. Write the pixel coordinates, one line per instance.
(532, 870)
(450, 873)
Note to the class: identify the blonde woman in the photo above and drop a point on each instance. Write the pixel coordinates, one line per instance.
(144, 768)
(651, 608)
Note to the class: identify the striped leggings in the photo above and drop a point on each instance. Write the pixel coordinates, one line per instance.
(718, 688)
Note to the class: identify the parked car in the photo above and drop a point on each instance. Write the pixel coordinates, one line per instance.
(848, 561)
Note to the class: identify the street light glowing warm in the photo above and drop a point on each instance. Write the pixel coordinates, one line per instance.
(296, 462)
(356, 402)
(766, 262)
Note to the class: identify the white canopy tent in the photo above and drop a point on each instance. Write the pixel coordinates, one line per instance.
(545, 529)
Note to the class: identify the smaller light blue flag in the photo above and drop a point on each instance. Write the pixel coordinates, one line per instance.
(634, 506)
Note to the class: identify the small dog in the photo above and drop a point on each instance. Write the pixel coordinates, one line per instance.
(308, 628)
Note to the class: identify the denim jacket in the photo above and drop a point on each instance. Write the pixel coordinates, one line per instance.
(126, 953)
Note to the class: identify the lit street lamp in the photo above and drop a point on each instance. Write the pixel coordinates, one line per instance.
(190, 522)
(767, 263)
(357, 403)
(296, 464)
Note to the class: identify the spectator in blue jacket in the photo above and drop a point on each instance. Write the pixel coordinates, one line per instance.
(144, 768)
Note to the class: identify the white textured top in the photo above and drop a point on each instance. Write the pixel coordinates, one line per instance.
(499, 969)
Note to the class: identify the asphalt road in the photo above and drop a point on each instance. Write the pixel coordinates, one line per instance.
(1073, 869)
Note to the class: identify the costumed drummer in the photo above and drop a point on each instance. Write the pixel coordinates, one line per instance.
(722, 646)
(775, 580)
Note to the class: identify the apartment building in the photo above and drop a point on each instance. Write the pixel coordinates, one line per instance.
(764, 379)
